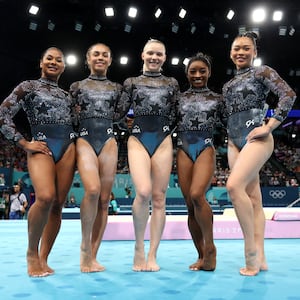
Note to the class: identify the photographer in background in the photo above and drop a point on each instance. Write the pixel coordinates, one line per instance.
(18, 203)
(4, 204)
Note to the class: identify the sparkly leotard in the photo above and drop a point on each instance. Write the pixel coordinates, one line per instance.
(245, 100)
(48, 109)
(97, 98)
(199, 111)
(153, 98)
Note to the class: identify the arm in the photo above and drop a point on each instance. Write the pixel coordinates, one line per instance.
(124, 102)
(286, 98)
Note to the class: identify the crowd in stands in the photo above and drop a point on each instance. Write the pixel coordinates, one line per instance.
(283, 168)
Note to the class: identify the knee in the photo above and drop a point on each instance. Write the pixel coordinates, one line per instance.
(45, 199)
(158, 201)
(144, 194)
(232, 189)
(198, 198)
(92, 192)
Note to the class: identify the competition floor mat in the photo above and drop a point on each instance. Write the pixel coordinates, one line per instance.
(174, 280)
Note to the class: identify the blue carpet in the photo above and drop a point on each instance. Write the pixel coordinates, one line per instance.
(174, 280)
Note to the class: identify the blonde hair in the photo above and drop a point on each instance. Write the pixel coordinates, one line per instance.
(150, 41)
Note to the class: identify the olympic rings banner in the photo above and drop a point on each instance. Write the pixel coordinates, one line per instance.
(279, 196)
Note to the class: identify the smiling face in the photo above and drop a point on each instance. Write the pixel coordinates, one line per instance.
(198, 73)
(99, 59)
(52, 64)
(242, 52)
(154, 56)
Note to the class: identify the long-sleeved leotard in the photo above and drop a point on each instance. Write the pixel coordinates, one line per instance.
(199, 110)
(97, 97)
(153, 98)
(48, 110)
(245, 100)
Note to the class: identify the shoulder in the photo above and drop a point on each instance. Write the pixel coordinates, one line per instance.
(264, 71)
(116, 84)
(214, 94)
(130, 80)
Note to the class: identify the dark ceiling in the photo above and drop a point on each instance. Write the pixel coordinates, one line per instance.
(21, 47)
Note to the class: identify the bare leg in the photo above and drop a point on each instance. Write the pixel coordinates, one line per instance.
(87, 162)
(108, 164)
(245, 167)
(64, 174)
(254, 193)
(140, 169)
(185, 173)
(161, 164)
(42, 171)
(195, 179)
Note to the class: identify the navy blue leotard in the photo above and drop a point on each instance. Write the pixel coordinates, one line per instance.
(199, 111)
(153, 98)
(97, 98)
(245, 100)
(48, 109)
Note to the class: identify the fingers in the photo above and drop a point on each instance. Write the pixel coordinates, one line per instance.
(41, 147)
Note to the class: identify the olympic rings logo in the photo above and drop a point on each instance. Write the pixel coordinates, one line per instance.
(277, 194)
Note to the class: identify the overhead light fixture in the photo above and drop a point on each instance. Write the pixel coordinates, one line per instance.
(292, 30)
(211, 28)
(157, 13)
(257, 62)
(182, 13)
(242, 29)
(124, 60)
(291, 72)
(282, 30)
(193, 28)
(51, 25)
(97, 27)
(127, 28)
(109, 11)
(277, 15)
(33, 26)
(78, 26)
(175, 61)
(71, 60)
(228, 71)
(132, 12)
(258, 15)
(230, 14)
(175, 27)
(186, 61)
(33, 9)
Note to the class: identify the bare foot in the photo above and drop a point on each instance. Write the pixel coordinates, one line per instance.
(86, 263)
(209, 259)
(97, 266)
(252, 266)
(197, 265)
(263, 262)
(152, 266)
(46, 268)
(139, 261)
(34, 267)
(264, 265)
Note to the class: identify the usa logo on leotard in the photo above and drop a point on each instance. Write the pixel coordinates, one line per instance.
(83, 132)
(41, 136)
(136, 129)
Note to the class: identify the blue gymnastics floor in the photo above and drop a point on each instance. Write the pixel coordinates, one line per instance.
(174, 280)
